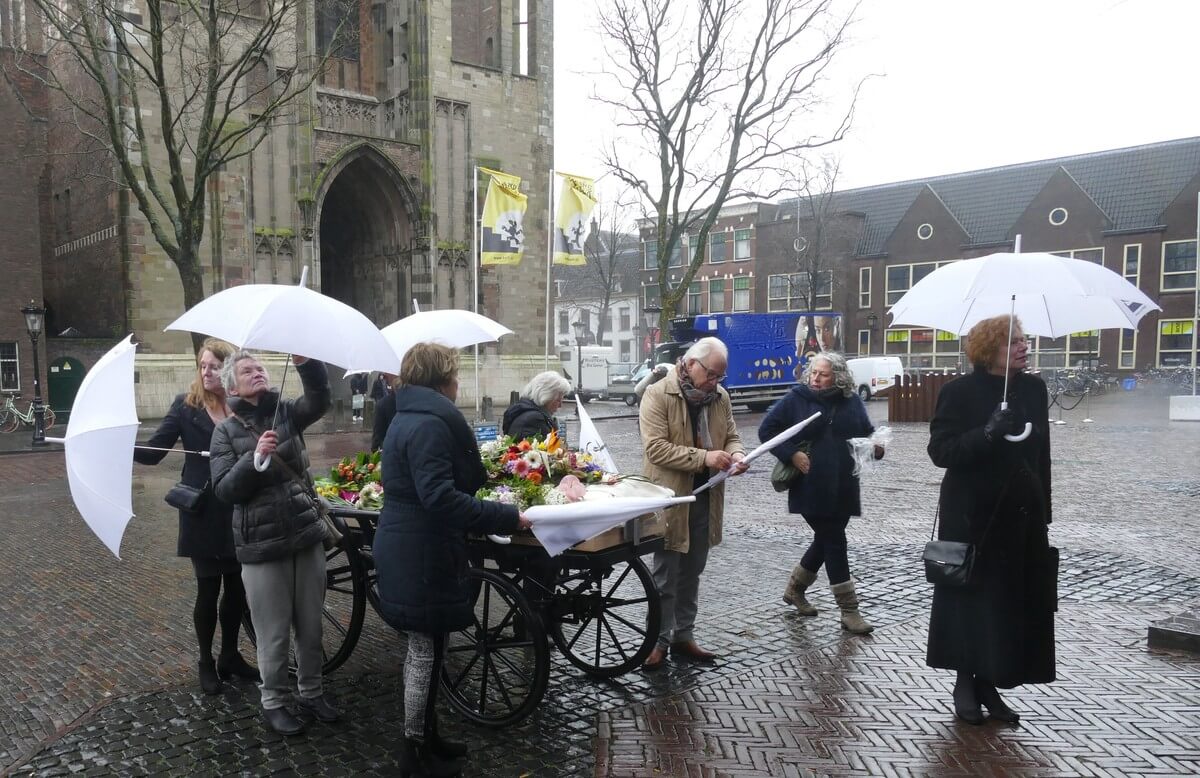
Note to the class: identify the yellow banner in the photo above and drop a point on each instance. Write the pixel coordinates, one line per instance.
(575, 204)
(503, 223)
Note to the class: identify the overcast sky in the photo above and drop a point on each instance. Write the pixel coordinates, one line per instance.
(966, 84)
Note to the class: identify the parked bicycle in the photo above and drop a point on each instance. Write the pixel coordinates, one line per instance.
(11, 417)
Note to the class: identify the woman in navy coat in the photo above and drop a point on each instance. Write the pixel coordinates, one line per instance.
(826, 494)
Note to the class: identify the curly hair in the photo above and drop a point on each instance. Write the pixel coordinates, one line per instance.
(197, 395)
(988, 337)
(842, 378)
(431, 365)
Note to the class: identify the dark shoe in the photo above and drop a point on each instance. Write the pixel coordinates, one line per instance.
(417, 759)
(692, 652)
(282, 721)
(966, 704)
(209, 681)
(656, 660)
(319, 707)
(986, 693)
(236, 667)
(450, 749)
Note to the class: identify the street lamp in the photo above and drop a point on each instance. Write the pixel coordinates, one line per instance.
(34, 318)
(577, 325)
(652, 313)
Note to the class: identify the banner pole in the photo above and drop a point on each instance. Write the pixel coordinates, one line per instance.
(478, 235)
(549, 263)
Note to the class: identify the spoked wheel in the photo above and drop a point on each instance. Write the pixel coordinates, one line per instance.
(343, 612)
(9, 422)
(606, 620)
(496, 670)
(49, 418)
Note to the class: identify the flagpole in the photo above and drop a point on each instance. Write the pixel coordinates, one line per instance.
(478, 235)
(549, 264)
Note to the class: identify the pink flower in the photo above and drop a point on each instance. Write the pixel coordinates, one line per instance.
(572, 487)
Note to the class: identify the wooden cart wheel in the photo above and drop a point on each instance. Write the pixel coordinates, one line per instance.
(496, 670)
(606, 620)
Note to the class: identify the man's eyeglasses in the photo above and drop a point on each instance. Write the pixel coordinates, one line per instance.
(712, 374)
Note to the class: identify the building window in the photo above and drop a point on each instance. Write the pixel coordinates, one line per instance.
(925, 231)
(337, 29)
(741, 293)
(716, 247)
(1133, 263)
(676, 259)
(626, 351)
(741, 244)
(716, 295)
(10, 377)
(650, 248)
(864, 343)
(901, 278)
(625, 319)
(922, 348)
(789, 292)
(522, 36)
(564, 323)
(864, 287)
(1083, 348)
(608, 321)
(1175, 342)
(1058, 217)
(1094, 255)
(585, 318)
(1128, 353)
(694, 298)
(1179, 265)
(650, 296)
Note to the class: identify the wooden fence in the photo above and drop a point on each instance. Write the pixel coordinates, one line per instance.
(913, 397)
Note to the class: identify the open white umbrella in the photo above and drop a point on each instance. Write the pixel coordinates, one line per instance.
(99, 445)
(453, 328)
(292, 320)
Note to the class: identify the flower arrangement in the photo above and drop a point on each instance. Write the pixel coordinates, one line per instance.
(537, 472)
(354, 482)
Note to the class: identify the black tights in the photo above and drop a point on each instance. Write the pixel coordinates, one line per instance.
(207, 611)
(828, 548)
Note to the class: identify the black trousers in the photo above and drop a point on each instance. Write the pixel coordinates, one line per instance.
(828, 548)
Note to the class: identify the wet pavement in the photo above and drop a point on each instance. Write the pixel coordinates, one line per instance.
(96, 657)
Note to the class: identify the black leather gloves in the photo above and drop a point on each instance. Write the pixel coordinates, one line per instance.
(1001, 423)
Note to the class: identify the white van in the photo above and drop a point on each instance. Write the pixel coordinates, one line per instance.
(874, 374)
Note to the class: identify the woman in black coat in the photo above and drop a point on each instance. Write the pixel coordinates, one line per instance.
(827, 494)
(431, 471)
(532, 416)
(999, 631)
(206, 533)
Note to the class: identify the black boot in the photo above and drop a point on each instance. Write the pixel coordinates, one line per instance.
(986, 692)
(966, 704)
(209, 681)
(234, 666)
(450, 749)
(417, 759)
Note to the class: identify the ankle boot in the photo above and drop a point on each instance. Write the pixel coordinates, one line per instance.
(209, 681)
(801, 579)
(234, 666)
(450, 749)
(966, 703)
(847, 600)
(416, 759)
(985, 692)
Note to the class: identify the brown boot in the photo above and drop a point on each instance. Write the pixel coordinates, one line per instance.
(847, 600)
(801, 579)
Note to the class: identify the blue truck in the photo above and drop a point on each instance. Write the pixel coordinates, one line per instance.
(765, 349)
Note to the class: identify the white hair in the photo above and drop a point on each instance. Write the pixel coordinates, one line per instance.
(546, 387)
(705, 346)
(229, 369)
(842, 377)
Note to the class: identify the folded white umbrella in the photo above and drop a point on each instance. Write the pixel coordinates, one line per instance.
(99, 445)
(558, 527)
(452, 327)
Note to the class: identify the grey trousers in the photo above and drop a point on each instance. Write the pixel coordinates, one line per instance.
(286, 594)
(677, 576)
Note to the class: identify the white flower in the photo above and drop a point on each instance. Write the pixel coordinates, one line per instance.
(555, 497)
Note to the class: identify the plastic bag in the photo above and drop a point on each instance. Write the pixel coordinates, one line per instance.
(862, 450)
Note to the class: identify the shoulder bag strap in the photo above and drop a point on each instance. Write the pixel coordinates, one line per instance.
(938, 512)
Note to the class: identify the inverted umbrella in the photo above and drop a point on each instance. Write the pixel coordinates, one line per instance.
(99, 445)
(453, 328)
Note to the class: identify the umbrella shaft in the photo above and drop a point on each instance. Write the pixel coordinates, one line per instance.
(176, 450)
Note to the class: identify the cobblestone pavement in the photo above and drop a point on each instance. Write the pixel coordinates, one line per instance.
(96, 657)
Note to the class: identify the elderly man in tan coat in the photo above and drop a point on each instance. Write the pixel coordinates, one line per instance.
(688, 435)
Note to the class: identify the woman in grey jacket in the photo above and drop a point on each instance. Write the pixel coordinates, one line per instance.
(276, 531)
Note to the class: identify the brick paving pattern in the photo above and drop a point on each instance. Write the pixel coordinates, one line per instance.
(96, 675)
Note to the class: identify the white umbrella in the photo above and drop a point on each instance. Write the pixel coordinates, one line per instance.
(292, 320)
(453, 328)
(99, 445)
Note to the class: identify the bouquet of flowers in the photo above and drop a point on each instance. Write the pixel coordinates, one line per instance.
(538, 472)
(353, 482)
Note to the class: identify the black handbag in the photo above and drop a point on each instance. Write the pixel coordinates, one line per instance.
(952, 562)
(186, 497)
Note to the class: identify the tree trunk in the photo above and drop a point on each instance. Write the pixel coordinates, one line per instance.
(188, 262)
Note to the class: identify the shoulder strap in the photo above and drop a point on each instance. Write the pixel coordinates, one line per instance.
(938, 511)
(276, 459)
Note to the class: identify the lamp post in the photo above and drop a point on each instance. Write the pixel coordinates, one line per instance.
(34, 318)
(651, 313)
(577, 325)
(872, 323)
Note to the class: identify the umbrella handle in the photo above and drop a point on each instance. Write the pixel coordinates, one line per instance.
(503, 540)
(261, 463)
(55, 440)
(1022, 436)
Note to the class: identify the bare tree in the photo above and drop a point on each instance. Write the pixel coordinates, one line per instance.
(818, 232)
(718, 91)
(174, 96)
(609, 250)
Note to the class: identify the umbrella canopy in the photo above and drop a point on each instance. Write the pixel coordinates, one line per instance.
(454, 328)
(1055, 295)
(99, 445)
(292, 320)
